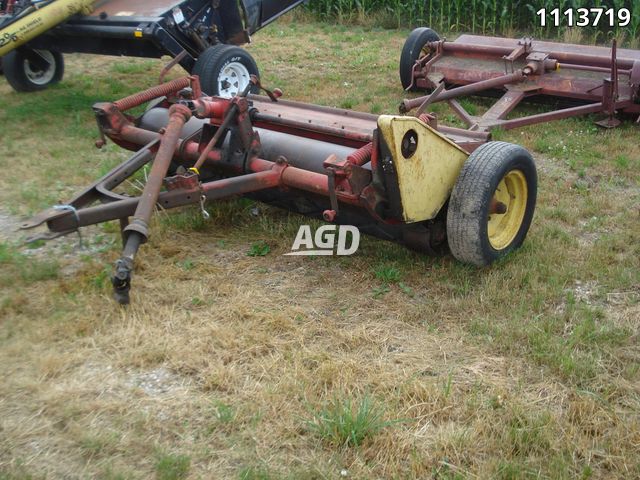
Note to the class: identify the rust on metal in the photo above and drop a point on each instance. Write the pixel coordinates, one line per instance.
(208, 148)
(140, 98)
(599, 79)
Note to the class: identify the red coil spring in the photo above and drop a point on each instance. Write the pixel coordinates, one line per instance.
(139, 98)
(362, 155)
(426, 118)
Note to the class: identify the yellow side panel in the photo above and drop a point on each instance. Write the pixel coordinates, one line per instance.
(426, 177)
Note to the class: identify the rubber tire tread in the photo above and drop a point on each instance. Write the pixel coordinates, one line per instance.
(211, 61)
(13, 66)
(411, 51)
(468, 208)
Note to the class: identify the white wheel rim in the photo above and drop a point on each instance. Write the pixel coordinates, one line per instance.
(233, 79)
(41, 77)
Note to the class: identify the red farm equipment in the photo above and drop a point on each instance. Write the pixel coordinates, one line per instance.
(591, 79)
(401, 178)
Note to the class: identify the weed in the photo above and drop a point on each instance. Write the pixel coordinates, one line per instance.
(172, 467)
(510, 470)
(186, 264)
(622, 161)
(109, 474)
(380, 291)
(131, 68)
(342, 423)
(348, 104)
(387, 273)
(255, 473)
(18, 471)
(98, 444)
(39, 270)
(528, 433)
(35, 244)
(259, 249)
(224, 413)
(447, 384)
(103, 278)
(198, 302)
(7, 254)
(406, 290)
(470, 107)
(446, 472)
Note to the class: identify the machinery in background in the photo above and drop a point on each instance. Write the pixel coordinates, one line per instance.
(574, 79)
(201, 36)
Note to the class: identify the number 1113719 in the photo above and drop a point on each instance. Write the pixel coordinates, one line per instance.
(585, 17)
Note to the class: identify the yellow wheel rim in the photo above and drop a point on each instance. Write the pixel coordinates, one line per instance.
(511, 192)
(425, 51)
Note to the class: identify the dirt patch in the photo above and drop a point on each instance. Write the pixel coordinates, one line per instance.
(158, 381)
(67, 250)
(8, 227)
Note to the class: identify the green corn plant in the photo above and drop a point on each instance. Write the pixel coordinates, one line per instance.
(479, 16)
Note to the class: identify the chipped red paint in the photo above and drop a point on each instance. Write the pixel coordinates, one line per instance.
(524, 69)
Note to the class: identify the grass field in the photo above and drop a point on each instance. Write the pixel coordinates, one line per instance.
(386, 364)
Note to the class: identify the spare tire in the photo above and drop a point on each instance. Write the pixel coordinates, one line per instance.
(225, 70)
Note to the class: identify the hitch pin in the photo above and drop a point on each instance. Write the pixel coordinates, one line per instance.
(74, 210)
(205, 214)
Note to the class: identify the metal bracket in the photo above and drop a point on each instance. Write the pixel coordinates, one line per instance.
(331, 184)
(273, 94)
(524, 47)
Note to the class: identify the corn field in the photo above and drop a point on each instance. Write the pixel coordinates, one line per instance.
(478, 16)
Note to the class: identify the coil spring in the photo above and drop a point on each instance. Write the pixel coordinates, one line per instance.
(362, 155)
(139, 98)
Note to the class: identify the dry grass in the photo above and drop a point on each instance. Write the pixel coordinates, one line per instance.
(530, 369)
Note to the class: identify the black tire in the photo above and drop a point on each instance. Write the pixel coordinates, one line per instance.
(217, 64)
(412, 50)
(473, 236)
(24, 76)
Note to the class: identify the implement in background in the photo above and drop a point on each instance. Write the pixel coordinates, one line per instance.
(591, 79)
(202, 36)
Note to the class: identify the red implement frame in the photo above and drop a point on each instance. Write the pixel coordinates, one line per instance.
(257, 144)
(600, 80)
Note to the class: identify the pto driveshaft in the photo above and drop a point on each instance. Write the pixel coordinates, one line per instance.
(136, 233)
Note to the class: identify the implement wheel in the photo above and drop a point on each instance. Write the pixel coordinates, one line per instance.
(415, 47)
(225, 70)
(492, 203)
(32, 70)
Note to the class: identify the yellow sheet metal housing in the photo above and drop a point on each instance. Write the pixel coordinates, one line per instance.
(427, 176)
